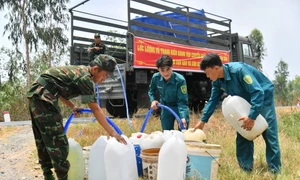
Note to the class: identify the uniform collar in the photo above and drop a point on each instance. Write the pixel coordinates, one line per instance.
(90, 71)
(172, 79)
(226, 73)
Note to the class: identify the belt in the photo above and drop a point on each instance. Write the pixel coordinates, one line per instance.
(51, 86)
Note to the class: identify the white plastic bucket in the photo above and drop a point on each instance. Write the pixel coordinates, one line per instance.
(202, 160)
(150, 163)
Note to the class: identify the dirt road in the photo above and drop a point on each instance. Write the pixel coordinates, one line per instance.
(17, 154)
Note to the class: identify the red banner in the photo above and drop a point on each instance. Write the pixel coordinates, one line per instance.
(147, 51)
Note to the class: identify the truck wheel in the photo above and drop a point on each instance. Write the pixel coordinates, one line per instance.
(197, 106)
(114, 108)
(117, 107)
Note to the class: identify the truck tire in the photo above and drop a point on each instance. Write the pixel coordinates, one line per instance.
(117, 107)
(197, 106)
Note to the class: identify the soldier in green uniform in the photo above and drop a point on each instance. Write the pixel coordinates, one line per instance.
(240, 79)
(173, 93)
(96, 47)
(64, 83)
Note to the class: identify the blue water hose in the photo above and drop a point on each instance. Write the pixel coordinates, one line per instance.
(85, 110)
(125, 97)
(167, 108)
(146, 120)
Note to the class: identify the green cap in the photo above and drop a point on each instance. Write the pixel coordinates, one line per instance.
(97, 35)
(107, 63)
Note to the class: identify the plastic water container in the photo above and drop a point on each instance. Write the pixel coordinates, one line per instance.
(234, 107)
(6, 116)
(150, 163)
(75, 158)
(152, 141)
(197, 135)
(120, 160)
(202, 160)
(169, 133)
(96, 170)
(157, 132)
(137, 138)
(172, 159)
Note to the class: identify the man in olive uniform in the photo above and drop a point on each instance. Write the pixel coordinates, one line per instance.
(64, 83)
(243, 80)
(173, 93)
(96, 47)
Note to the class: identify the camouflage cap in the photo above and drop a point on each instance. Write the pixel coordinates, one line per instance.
(107, 63)
(97, 35)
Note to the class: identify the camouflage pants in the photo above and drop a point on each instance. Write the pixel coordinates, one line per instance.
(51, 142)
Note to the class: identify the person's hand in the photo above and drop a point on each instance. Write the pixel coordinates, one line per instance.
(75, 110)
(97, 48)
(199, 125)
(118, 137)
(183, 122)
(90, 49)
(247, 123)
(154, 105)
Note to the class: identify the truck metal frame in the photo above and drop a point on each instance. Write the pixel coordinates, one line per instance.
(219, 37)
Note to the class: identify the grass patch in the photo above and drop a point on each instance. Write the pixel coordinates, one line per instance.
(6, 131)
(291, 125)
(218, 131)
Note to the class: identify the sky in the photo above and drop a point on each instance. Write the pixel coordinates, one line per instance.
(278, 21)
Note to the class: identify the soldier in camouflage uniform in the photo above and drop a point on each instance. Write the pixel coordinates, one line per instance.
(96, 47)
(64, 83)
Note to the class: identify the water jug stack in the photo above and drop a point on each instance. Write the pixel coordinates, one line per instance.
(137, 138)
(154, 140)
(234, 107)
(75, 158)
(169, 133)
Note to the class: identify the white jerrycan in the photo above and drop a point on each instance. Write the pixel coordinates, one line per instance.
(234, 107)
(75, 158)
(120, 160)
(172, 159)
(152, 141)
(169, 133)
(96, 170)
(137, 138)
(197, 135)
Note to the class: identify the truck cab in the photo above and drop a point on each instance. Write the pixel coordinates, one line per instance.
(184, 33)
(241, 50)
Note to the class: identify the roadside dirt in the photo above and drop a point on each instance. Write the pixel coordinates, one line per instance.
(18, 159)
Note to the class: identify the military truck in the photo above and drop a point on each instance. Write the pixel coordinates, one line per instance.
(154, 28)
